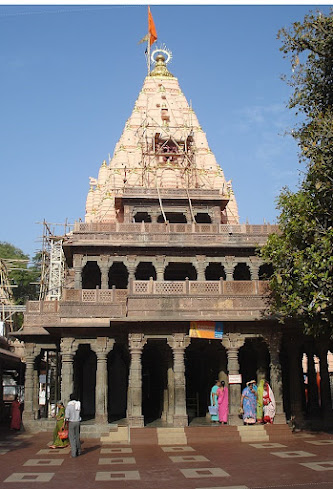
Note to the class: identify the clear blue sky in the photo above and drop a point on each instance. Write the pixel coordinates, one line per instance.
(70, 76)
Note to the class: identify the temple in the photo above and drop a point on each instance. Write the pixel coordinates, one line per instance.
(161, 290)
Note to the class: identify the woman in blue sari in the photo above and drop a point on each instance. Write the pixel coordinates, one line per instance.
(213, 401)
(249, 403)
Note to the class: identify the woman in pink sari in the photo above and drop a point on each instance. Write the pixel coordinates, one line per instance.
(223, 403)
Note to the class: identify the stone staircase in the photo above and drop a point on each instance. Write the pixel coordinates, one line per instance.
(123, 435)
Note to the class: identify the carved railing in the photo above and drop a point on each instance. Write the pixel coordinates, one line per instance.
(182, 228)
(95, 295)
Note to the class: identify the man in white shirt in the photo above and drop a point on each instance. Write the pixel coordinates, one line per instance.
(72, 415)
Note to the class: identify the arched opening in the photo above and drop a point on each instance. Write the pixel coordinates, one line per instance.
(265, 271)
(91, 276)
(118, 369)
(173, 217)
(215, 271)
(118, 276)
(180, 271)
(203, 217)
(205, 361)
(248, 364)
(85, 380)
(242, 272)
(142, 216)
(145, 270)
(154, 380)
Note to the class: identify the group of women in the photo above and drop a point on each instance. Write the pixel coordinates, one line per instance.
(257, 403)
(219, 397)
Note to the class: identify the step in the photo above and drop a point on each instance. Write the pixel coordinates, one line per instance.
(171, 436)
(253, 433)
(119, 436)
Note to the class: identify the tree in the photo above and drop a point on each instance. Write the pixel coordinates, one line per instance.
(22, 276)
(301, 254)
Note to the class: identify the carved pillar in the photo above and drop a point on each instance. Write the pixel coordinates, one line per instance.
(104, 268)
(295, 378)
(67, 351)
(232, 343)
(134, 398)
(274, 346)
(77, 265)
(2, 404)
(325, 391)
(31, 352)
(178, 342)
(160, 267)
(254, 270)
(201, 267)
(229, 268)
(102, 346)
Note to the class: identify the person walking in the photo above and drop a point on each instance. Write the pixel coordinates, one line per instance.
(15, 414)
(72, 415)
(213, 401)
(223, 402)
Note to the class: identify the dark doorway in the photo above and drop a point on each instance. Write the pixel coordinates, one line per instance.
(205, 361)
(215, 271)
(85, 380)
(118, 276)
(118, 370)
(242, 272)
(154, 380)
(179, 271)
(173, 217)
(142, 216)
(265, 271)
(203, 218)
(145, 270)
(91, 276)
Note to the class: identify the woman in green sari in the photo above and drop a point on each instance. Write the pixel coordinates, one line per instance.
(60, 417)
(260, 403)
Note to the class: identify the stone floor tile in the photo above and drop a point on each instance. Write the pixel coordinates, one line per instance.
(188, 458)
(10, 443)
(105, 451)
(204, 472)
(178, 449)
(319, 466)
(129, 475)
(54, 451)
(267, 445)
(320, 442)
(33, 462)
(116, 460)
(30, 477)
(225, 487)
(4, 450)
(293, 454)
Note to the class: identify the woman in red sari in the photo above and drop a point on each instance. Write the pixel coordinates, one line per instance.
(15, 413)
(223, 403)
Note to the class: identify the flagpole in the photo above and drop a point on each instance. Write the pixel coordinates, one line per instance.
(148, 51)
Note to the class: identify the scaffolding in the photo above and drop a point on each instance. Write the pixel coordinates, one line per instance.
(53, 268)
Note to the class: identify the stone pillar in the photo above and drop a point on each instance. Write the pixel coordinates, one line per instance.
(67, 351)
(31, 352)
(134, 398)
(254, 270)
(160, 267)
(77, 265)
(325, 391)
(201, 267)
(295, 379)
(102, 346)
(233, 342)
(229, 268)
(171, 393)
(178, 342)
(274, 345)
(104, 268)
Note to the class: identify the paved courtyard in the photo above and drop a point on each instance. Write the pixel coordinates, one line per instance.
(304, 461)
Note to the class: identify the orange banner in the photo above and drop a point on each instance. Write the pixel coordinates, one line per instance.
(151, 28)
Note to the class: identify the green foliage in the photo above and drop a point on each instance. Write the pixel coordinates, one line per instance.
(302, 283)
(21, 275)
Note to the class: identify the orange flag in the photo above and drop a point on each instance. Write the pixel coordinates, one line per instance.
(151, 28)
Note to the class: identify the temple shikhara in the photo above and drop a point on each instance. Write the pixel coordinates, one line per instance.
(160, 291)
